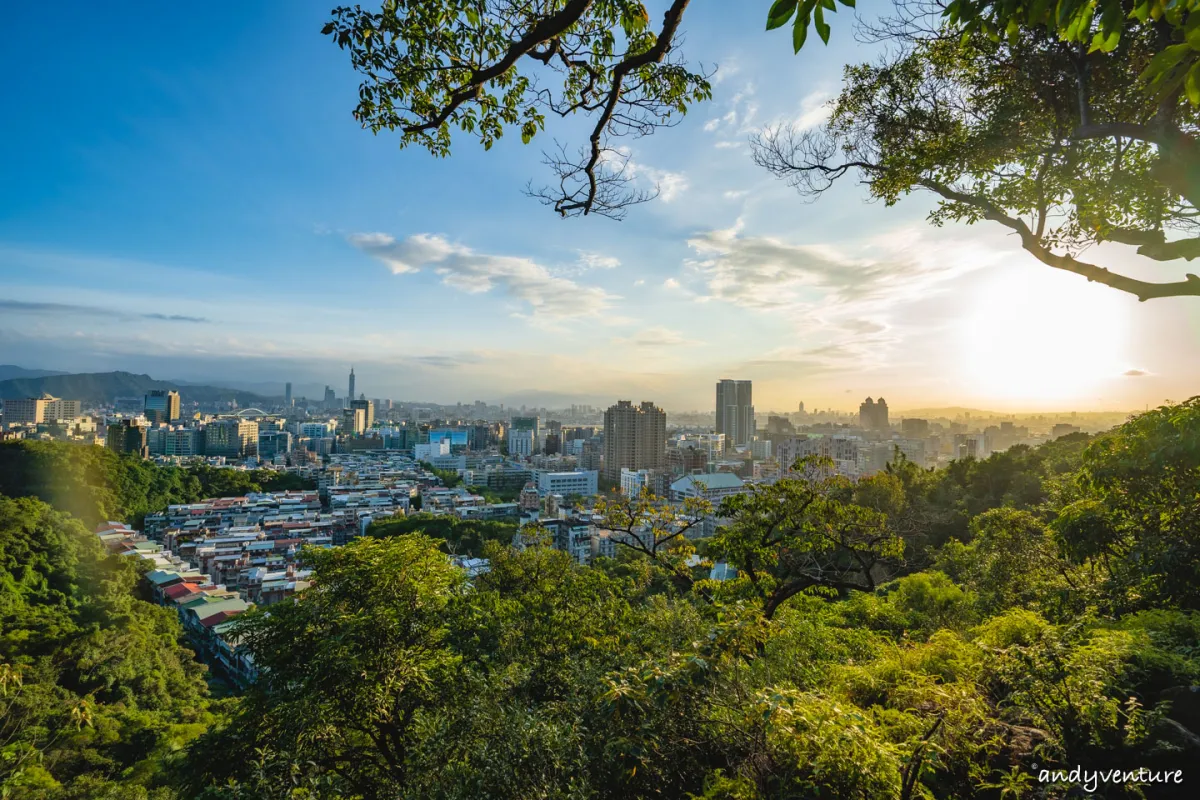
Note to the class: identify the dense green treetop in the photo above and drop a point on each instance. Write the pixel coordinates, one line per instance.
(96, 694)
(95, 484)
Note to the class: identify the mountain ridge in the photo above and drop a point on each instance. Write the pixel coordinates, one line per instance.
(93, 388)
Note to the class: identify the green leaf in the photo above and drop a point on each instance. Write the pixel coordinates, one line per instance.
(1191, 84)
(1165, 61)
(821, 25)
(799, 33)
(780, 13)
(847, 3)
(1105, 44)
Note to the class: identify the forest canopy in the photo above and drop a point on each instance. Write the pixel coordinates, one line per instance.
(918, 633)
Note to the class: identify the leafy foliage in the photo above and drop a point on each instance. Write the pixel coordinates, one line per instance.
(95, 484)
(96, 695)
(915, 634)
(458, 536)
(1056, 141)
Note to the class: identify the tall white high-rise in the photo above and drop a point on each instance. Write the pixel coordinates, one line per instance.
(735, 412)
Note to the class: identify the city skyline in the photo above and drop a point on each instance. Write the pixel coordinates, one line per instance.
(190, 256)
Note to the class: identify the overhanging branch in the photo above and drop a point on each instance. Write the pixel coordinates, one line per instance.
(1143, 290)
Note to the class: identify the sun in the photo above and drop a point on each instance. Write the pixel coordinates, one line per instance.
(1039, 335)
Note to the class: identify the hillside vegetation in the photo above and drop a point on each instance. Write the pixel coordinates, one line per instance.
(95, 484)
(916, 634)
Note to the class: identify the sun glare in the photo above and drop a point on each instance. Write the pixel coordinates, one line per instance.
(1034, 334)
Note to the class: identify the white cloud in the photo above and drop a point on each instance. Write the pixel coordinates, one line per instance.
(591, 260)
(767, 273)
(670, 184)
(736, 194)
(841, 304)
(548, 296)
(670, 283)
(640, 282)
(815, 108)
(656, 336)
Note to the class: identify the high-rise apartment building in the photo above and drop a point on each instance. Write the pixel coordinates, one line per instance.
(36, 410)
(161, 406)
(635, 437)
(735, 412)
(873, 415)
(231, 438)
(181, 442)
(368, 409)
(25, 410)
(57, 408)
(354, 420)
(127, 437)
(273, 443)
(524, 436)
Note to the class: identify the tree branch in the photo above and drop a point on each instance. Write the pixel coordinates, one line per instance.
(1143, 290)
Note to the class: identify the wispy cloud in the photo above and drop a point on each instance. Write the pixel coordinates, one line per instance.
(72, 309)
(548, 296)
(656, 336)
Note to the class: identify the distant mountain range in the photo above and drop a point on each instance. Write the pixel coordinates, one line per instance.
(102, 387)
(10, 371)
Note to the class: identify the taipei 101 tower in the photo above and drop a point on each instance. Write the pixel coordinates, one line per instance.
(350, 396)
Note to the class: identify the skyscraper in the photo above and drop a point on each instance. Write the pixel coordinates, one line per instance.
(350, 394)
(635, 437)
(161, 406)
(873, 414)
(330, 397)
(287, 394)
(368, 409)
(523, 436)
(735, 412)
(127, 436)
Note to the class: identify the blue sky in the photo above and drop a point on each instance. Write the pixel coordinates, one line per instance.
(185, 193)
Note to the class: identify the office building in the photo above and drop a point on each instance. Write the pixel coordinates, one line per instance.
(914, 428)
(636, 481)
(434, 449)
(635, 437)
(316, 430)
(35, 410)
(127, 436)
(57, 408)
(873, 415)
(231, 438)
(521, 443)
(287, 394)
(354, 421)
(330, 397)
(350, 393)
(181, 442)
(273, 443)
(735, 412)
(26, 410)
(714, 488)
(581, 482)
(161, 406)
(368, 409)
